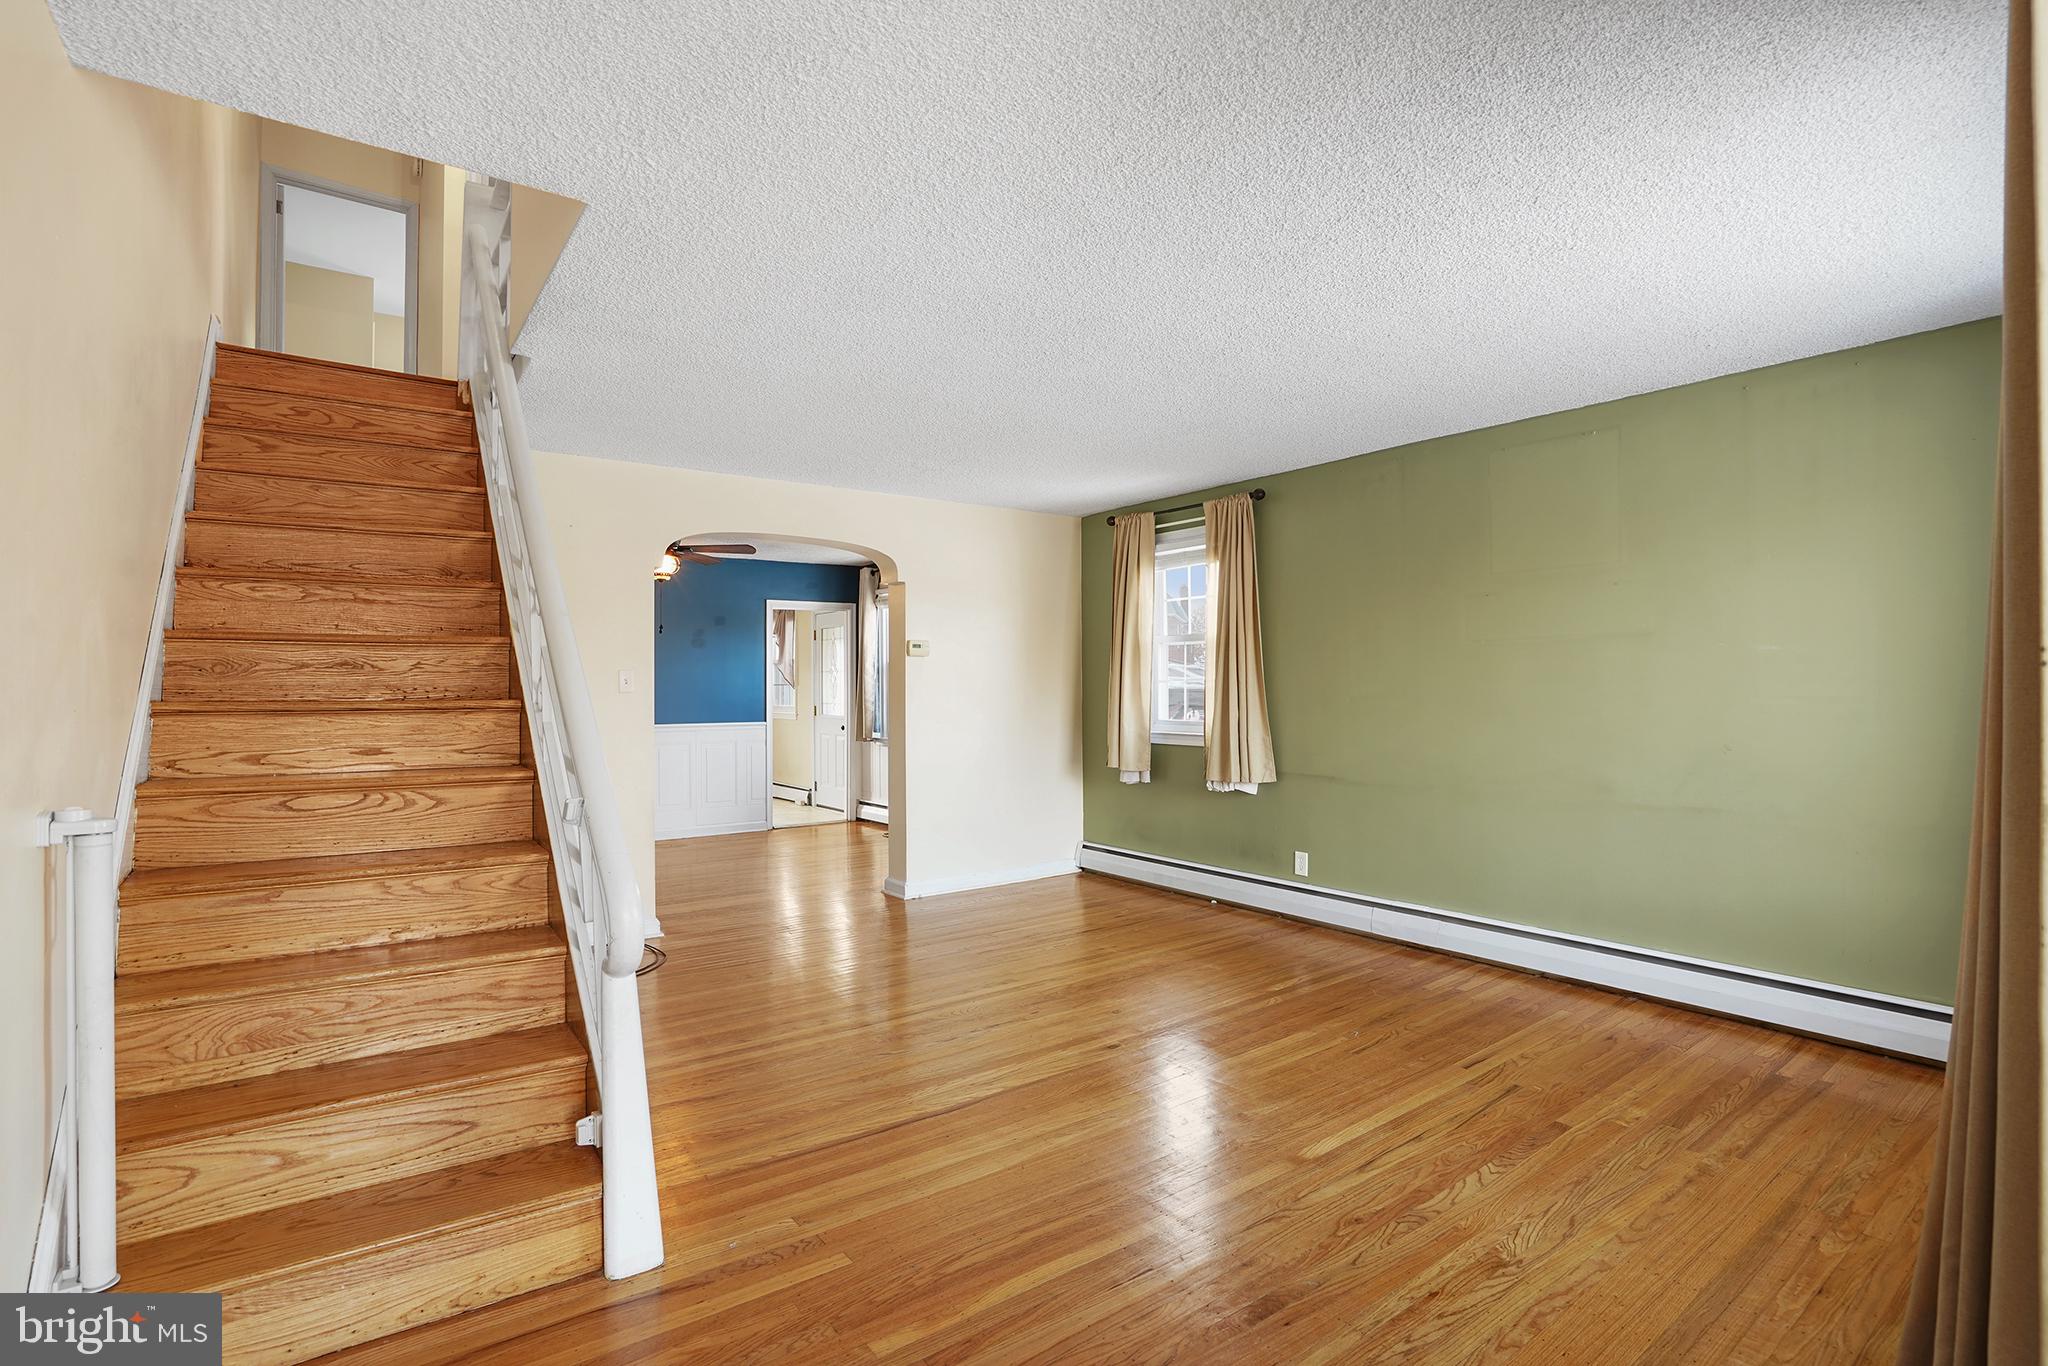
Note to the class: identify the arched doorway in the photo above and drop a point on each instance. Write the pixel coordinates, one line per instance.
(888, 769)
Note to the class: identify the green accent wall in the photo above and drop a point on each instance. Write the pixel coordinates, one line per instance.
(1696, 670)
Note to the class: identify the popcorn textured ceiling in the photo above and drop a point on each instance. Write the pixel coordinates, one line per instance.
(1069, 254)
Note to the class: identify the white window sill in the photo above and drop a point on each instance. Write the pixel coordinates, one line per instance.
(1177, 737)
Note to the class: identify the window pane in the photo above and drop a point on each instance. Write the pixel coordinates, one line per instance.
(1177, 617)
(1198, 579)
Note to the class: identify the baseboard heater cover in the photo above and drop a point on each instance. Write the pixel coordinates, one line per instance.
(1889, 1024)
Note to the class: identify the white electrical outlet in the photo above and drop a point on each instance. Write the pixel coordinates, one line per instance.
(625, 680)
(1301, 863)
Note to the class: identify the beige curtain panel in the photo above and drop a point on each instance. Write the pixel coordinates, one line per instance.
(1130, 650)
(872, 649)
(785, 645)
(1236, 739)
(1977, 1289)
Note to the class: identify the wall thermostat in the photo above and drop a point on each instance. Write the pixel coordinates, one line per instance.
(919, 648)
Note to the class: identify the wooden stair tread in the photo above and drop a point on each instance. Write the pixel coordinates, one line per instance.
(218, 706)
(465, 492)
(180, 1116)
(207, 571)
(148, 884)
(164, 789)
(430, 392)
(237, 1252)
(272, 976)
(332, 415)
(340, 460)
(304, 498)
(339, 639)
(230, 519)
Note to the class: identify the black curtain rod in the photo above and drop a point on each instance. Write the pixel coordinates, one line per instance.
(1258, 496)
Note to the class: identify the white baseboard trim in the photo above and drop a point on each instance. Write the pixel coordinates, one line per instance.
(699, 831)
(941, 886)
(790, 794)
(1889, 1024)
(869, 811)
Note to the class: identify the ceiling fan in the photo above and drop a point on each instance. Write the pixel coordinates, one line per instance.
(672, 558)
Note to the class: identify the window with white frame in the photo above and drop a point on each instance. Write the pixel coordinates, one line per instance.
(1180, 644)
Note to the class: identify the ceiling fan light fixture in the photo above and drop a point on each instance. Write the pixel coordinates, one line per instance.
(666, 570)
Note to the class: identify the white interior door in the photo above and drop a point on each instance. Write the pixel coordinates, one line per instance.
(834, 681)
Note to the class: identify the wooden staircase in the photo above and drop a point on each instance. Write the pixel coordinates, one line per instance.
(347, 1071)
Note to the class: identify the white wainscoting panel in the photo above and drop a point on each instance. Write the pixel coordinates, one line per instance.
(710, 779)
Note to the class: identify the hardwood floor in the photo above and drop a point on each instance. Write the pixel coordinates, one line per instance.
(1078, 1120)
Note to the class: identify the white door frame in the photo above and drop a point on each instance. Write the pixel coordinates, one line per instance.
(768, 611)
(270, 294)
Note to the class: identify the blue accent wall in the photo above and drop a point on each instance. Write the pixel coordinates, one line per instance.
(711, 634)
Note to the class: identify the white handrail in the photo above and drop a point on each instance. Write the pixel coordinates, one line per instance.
(624, 926)
(600, 894)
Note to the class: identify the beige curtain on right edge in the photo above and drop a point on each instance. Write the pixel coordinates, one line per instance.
(1977, 1288)
(1130, 649)
(1237, 742)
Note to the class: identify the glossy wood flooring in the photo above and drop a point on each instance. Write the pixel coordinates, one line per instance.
(1082, 1121)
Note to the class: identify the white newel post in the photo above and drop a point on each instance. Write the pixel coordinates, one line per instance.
(89, 845)
(632, 1199)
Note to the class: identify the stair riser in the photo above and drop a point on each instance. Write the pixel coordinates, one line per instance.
(315, 502)
(271, 922)
(238, 827)
(239, 744)
(292, 376)
(334, 418)
(312, 606)
(207, 1042)
(265, 671)
(315, 457)
(344, 554)
(307, 1313)
(223, 1176)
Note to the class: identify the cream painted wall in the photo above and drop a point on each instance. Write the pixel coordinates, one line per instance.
(792, 740)
(440, 268)
(387, 350)
(541, 224)
(993, 713)
(128, 220)
(331, 315)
